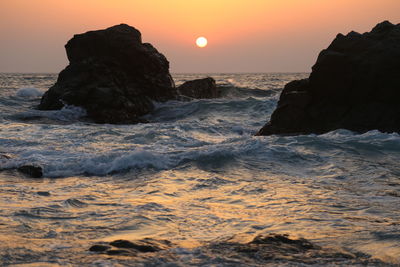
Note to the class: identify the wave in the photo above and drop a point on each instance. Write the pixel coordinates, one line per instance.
(29, 93)
(68, 113)
(300, 156)
(71, 163)
(211, 109)
(229, 91)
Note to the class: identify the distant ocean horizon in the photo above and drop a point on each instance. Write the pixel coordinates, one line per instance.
(187, 73)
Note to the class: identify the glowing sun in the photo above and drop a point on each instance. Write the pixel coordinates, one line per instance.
(201, 42)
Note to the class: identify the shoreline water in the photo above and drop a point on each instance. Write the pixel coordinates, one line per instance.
(195, 173)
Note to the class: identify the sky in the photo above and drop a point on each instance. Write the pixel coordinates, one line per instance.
(243, 35)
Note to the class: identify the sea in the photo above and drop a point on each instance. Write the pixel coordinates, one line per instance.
(194, 175)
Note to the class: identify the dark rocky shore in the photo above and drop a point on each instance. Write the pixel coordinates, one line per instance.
(354, 85)
(262, 250)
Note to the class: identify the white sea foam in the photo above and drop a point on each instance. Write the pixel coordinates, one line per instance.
(76, 160)
(107, 164)
(29, 92)
(70, 112)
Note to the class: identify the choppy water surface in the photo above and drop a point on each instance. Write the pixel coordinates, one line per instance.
(195, 174)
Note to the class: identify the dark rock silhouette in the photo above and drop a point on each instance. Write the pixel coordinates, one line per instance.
(99, 248)
(275, 249)
(43, 193)
(200, 88)
(125, 247)
(263, 250)
(113, 75)
(354, 85)
(31, 171)
(137, 246)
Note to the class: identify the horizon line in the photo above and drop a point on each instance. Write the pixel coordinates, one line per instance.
(177, 73)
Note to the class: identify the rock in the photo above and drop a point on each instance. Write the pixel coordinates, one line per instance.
(99, 248)
(43, 193)
(31, 171)
(113, 75)
(200, 88)
(276, 249)
(138, 247)
(28, 170)
(263, 250)
(301, 243)
(354, 85)
(128, 248)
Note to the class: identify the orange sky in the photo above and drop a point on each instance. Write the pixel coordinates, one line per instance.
(243, 35)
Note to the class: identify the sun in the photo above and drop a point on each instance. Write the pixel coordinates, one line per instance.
(201, 42)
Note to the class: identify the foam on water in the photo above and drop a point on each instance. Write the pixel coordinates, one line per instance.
(68, 113)
(29, 93)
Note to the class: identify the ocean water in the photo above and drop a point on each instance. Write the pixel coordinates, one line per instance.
(194, 175)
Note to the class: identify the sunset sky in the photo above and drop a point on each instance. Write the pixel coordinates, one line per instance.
(243, 35)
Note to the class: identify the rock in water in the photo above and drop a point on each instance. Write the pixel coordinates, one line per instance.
(99, 248)
(113, 75)
(31, 171)
(200, 88)
(354, 85)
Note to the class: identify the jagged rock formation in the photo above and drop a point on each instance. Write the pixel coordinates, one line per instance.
(113, 75)
(354, 85)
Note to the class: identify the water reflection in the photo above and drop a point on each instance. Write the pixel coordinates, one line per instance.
(189, 206)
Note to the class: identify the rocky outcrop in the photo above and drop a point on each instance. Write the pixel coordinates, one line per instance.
(354, 85)
(263, 250)
(113, 75)
(128, 248)
(200, 88)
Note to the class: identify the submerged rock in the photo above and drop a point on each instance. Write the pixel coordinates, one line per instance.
(263, 250)
(31, 171)
(301, 244)
(99, 248)
(269, 248)
(274, 248)
(126, 247)
(113, 75)
(200, 88)
(354, 85)
(43, 193)
(137, 246)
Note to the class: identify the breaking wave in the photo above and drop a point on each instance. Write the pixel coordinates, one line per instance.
(29, 93)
